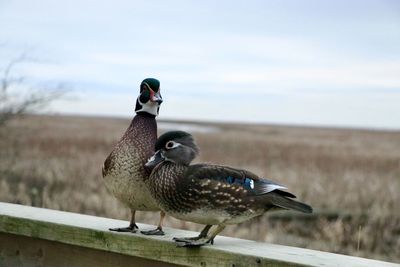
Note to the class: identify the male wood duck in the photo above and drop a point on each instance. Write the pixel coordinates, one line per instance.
(123, 171)
(209, 194)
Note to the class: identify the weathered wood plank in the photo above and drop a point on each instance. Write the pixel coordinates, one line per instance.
(22, 251)
(92, 232)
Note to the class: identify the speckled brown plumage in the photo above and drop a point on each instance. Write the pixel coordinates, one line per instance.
(124, 171)
(209, 194)
(200, 193)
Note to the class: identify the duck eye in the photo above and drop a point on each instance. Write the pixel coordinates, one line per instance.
(169, 145)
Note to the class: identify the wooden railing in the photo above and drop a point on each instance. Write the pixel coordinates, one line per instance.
(41, 237)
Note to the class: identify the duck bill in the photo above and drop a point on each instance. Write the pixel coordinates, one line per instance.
(156, 97)
(156, 159)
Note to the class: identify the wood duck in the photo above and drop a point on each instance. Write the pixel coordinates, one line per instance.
(123, 170)
(209, 194)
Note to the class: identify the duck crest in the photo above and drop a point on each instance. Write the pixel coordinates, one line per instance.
(149, 100)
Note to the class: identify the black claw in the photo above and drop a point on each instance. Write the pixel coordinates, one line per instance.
(185, 239)
(123, 229)
(153, 232)
(185, 242)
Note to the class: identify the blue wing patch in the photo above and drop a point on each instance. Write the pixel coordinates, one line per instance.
(247, 183)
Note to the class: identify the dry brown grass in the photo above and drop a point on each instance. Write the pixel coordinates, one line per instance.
(351, 177)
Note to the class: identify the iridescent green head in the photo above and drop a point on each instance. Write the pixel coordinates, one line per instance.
(150, 99)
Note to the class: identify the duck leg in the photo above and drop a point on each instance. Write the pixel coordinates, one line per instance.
(202, 241)
(158, 230)
(132, 225)
(202, 234)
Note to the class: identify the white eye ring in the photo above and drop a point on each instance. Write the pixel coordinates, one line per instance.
(171, 145)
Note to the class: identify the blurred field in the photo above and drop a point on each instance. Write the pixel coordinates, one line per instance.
(351, 177)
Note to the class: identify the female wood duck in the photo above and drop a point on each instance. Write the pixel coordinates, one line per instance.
(123, 171)
(209, 194)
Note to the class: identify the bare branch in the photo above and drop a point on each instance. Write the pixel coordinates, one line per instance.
(24, 98)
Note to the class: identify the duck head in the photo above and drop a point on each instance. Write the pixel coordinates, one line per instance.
(178, 147)
(150, 99)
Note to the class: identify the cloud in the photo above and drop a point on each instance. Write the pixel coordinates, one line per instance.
(353, 75)
(323, 63)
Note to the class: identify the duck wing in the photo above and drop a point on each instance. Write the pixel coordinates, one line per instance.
(229, 176)
(224, 183)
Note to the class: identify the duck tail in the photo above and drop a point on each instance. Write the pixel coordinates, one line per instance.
(287, 203)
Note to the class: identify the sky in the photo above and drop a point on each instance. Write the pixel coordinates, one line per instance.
(322, 63)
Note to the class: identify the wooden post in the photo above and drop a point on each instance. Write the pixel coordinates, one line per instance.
(43, 237)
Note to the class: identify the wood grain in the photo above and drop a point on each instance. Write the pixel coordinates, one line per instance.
(92, 232)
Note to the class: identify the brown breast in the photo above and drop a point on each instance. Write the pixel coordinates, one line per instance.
(134, 148)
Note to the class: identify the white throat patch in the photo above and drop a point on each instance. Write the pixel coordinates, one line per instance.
(149, 107)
